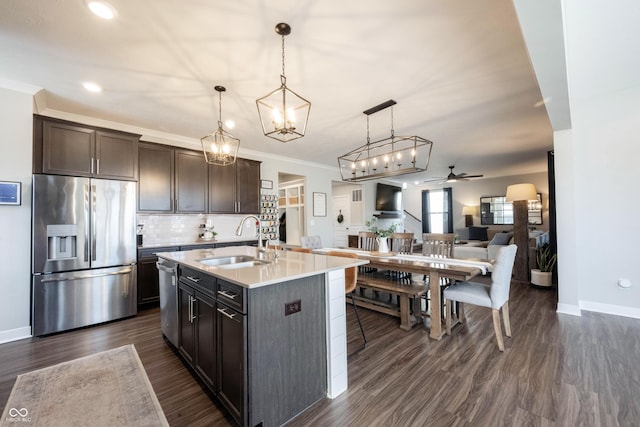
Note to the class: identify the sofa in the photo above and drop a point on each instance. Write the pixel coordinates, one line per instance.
(485, 243)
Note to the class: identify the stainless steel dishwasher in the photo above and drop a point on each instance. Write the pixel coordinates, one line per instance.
(168, 284)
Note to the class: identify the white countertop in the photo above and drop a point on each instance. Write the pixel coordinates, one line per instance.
(288, 266)
(240, 240)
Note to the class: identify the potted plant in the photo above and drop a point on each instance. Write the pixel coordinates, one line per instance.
(543, 275)
(381, 233)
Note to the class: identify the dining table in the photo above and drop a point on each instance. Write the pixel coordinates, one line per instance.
(432, 267)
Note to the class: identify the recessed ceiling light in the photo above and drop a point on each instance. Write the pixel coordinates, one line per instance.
(92, 87)
(229, 124)
(102, 9)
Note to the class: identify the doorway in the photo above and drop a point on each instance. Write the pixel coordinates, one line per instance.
(291, 211)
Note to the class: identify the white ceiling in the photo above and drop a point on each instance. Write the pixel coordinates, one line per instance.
(458, 69)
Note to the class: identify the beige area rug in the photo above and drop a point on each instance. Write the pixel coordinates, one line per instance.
(109, 388)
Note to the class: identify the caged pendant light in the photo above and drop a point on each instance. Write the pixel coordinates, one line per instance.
(220, 147)
(392, 156)
(283, 113)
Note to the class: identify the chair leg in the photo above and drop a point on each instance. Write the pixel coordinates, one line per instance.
(497, 328)
(505, 319)
(460, 309)
(355, 309)
(448, 309)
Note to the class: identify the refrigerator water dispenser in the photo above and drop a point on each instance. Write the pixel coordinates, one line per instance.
(61, 241)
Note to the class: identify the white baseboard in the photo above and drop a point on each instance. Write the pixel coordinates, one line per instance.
(616, 310)
(573, 310)
(15, 334)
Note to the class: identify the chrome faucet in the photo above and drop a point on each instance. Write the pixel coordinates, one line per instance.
(261, 248)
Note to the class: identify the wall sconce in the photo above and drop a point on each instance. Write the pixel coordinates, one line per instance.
(519, 195)
(468, 212)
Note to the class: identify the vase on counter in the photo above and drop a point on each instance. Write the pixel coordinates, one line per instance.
(383, 245)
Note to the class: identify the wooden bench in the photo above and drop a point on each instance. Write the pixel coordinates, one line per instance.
(407, 291)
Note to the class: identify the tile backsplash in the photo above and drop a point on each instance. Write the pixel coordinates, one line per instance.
(178, 229)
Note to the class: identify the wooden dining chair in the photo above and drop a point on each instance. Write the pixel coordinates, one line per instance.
(438, 244)
(402, 243)
(350, 280)
(367, 241)
(300, 249)
(495, 297)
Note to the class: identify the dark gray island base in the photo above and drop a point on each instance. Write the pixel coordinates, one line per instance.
(262, 349)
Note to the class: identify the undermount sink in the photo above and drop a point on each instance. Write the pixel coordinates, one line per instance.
(244, 264)
(229, 262)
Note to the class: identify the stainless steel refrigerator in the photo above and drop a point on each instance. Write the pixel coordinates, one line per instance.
(83, 252)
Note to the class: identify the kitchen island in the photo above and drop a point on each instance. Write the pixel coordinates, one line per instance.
(266, 334)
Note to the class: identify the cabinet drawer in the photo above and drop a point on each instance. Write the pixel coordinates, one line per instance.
(151, 252)
(232, 295)
(199, 280)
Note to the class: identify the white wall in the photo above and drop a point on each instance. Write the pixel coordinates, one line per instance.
(15, 221)
(602, 161)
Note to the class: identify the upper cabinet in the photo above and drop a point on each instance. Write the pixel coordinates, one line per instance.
(235, 188)
(172, 180)
(66, 148)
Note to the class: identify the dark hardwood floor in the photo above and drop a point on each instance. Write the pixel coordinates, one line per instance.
(557, 370)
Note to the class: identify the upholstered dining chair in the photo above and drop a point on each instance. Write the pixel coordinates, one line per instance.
(350, 279)
(495, 297)
(313, 242)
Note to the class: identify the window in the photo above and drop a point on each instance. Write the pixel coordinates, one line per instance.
(437, 216)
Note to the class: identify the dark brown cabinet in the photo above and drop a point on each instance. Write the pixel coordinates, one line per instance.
(235, 188)
(148, 279)
(190, 182)
(269, 364)
(66, 148)
(171, 180)
(231, 352)
(197, 337)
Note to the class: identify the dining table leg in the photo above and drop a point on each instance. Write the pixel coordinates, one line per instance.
(436, 306)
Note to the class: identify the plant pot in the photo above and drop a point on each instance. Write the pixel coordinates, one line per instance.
(541, 278)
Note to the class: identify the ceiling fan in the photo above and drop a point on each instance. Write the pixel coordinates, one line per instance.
(452, 177)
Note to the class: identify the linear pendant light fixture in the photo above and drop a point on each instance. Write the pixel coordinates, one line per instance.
(283, 113)
(220, 147)
(392, 156)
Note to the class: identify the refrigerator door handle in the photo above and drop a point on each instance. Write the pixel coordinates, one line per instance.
(87, 195)
(81, 276)
(93, 223)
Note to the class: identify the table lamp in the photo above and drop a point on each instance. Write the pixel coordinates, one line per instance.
(519, 195)
(468, 212)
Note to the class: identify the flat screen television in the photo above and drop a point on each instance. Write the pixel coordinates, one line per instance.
(388, 198)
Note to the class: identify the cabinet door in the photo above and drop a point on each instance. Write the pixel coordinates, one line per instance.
(67, 149)
(232, 358)
(187, 309)
(247, 186)
(191, 182)
(116, 155)
(155, 185)
(205, 339)
(222, 188)
(148, 289)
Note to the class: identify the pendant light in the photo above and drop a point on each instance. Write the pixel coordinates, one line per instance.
(220, 147)
(283, 113)
(392, 156)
